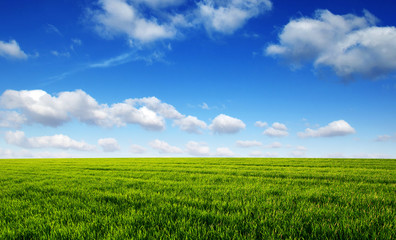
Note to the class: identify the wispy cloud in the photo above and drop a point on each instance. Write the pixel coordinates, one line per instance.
(118, 60)
(124, 58)
(52, 29)
(385, 138)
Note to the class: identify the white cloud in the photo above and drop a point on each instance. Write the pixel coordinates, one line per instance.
(52, 29)
(190, 124)
(60, 54)
(161, 3)
(335, 155)
(134, 148)
(276, 130)
(271, 154)
(18, 138)
(76, 41)
(256, 154)
(297, 153)
(224, 152)
(204, 106)
(40, 107)
(385, 138)
(154, 104)
(246, 144)
(164, 147)
(274, 145)
(121, 114)
(109, 144)
(372, 155)
(260, 124)
(279, 126)
(336, 128)
(349, 44)
(300, 151)
(114, 61)
(228, 16)
(144, 21)
(11, 119)
(197, 148)
(12, 50)
(24, 153)
(224, 124)
(301, 148)
(37, 105)
(119, 17)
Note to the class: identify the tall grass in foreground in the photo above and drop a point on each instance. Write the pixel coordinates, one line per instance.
(195, 198)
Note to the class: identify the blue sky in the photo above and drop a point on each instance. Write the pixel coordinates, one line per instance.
(141, 78)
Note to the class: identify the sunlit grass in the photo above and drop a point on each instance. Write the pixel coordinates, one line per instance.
(191, 198)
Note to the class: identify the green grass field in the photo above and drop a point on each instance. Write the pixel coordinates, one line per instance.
(191, 198)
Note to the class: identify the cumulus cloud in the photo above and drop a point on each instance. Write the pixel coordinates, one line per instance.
(224, 152)
(40, 107)
(154, 104)
(228, 16)
(11, 119)
(12, 50)
(190, 124)
(260, 124)
(134, 148)
(121, 17)
(333, 129)
(164, 147)
(224, 124)
(147, 21)
(61, 141)
(109, 144)
(246, 144)
(276, 130)
(350, 45)
(197, 148)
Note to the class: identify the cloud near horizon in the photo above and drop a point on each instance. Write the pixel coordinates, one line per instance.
(37, 106)
(350, 45)
(198, 148)
(135, 148)
(164, 147)
(61, 141)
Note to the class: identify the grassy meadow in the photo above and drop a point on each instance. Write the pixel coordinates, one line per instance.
(197, 198)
